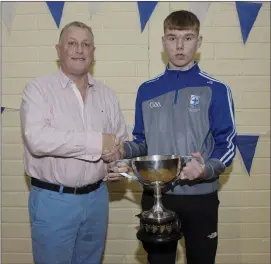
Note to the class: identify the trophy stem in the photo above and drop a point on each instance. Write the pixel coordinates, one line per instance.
(158, 206)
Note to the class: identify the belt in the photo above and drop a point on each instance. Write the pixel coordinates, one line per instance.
(58, 188)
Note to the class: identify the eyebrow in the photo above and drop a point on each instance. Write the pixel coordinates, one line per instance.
(84, 40)
(189, 34)
(185, 35)
(170, 35)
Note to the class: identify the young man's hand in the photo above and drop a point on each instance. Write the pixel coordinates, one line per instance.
(194, 169)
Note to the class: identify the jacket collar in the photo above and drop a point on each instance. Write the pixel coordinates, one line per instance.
(192, 71)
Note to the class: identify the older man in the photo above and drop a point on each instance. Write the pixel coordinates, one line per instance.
(71, 125)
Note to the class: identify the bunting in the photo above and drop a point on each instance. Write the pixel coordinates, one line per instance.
(56, 9)
(200, 9)
(247, 13)
(145, 10)
(8, 12)
(93, 7)
(8, 109)
(247, 146)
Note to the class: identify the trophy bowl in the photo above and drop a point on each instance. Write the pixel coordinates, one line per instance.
(157, 225)
(156, 168)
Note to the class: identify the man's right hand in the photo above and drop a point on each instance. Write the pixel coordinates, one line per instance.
(108, 144)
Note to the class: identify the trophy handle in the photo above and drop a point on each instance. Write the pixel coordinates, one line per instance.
(128, 176)
(130, 164)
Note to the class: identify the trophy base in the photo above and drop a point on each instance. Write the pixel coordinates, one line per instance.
(157, 239)
(158, 233)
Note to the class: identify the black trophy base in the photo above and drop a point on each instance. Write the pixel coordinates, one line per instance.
(157, 239)
(159, 233)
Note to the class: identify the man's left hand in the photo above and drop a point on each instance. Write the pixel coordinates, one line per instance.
(194, 169)
(114, 172)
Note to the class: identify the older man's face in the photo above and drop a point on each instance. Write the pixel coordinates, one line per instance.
(76, 51)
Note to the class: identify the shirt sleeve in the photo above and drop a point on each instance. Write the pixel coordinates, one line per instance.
(44, 140)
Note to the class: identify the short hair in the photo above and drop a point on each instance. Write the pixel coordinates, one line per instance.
(76, 24)
(182, 20)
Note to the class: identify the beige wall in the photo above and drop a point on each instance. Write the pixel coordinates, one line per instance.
(125, 58)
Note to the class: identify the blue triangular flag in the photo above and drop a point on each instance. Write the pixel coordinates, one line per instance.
(2, 109)
(56, 9)
(247, 13)
(247, 146)
(145, 10)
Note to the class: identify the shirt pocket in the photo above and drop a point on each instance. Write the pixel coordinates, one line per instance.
(97, 119)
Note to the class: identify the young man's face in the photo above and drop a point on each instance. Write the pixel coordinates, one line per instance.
(181, 47)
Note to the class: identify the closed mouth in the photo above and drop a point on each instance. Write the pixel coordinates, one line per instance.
(180, 56)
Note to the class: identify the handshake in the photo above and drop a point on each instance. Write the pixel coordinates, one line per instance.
(112, 148)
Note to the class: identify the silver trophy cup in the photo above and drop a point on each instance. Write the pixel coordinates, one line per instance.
(156, 173)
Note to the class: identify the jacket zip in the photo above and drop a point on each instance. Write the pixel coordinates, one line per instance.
(176, 91)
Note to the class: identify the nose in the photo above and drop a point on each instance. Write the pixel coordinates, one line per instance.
(79, 49)
(180, 44)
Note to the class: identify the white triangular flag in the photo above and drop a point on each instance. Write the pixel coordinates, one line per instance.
(8, 13)
(93, 7)
(200, 9)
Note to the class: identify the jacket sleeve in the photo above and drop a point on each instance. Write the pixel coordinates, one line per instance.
(222, 126)
(138, 146)
(44, 140)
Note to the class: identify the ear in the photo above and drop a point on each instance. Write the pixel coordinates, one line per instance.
(199, 42)
(163, 42)
(58, 50)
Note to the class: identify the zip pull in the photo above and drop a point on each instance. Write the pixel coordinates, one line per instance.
(176, 96)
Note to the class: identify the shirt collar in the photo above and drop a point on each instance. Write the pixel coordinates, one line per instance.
(65, 80)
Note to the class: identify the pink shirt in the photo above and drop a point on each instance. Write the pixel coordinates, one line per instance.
(63, 135)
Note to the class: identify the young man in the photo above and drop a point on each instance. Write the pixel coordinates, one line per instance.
(185, 111)
(69, 122)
